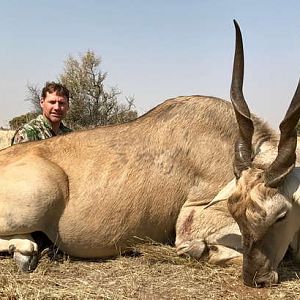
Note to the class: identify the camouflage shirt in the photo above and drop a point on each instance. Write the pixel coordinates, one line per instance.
(37, 129)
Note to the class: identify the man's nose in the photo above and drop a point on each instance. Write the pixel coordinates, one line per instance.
(56, 105)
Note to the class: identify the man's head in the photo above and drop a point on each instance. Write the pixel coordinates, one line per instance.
(54, 102)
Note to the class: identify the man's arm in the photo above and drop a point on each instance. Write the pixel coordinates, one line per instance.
(22, 135)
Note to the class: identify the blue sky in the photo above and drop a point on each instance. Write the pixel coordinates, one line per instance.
(153, 50)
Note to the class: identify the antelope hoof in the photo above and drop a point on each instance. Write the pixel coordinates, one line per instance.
(194, 249)
(26, 263)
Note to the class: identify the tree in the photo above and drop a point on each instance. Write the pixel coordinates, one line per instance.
(33, 96)
(91, 104)
(17, 122)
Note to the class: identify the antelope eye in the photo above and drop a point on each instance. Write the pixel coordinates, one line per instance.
(281, 217)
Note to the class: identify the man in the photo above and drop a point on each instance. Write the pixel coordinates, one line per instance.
(55, 105)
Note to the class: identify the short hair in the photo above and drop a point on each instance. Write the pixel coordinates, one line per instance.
(51, 87)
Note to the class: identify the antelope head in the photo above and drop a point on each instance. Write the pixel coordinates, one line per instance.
(261, 205)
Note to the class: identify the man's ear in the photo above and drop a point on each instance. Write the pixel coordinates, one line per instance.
(41, 102)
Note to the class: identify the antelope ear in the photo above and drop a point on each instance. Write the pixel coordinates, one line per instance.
(243, 146)
(277, 179)
(224, 194)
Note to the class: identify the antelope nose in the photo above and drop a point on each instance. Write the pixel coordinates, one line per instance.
(264, 281)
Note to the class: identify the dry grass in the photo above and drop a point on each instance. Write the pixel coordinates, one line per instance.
(5, 138)
(158, 273)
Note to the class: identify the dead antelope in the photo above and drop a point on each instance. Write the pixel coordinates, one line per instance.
(97, 193)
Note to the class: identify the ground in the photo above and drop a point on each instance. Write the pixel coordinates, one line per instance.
(157, 273)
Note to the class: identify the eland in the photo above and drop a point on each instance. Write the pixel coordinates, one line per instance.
(164, 176)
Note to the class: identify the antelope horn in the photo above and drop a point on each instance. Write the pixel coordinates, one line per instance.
(286, 157)
(243, 145)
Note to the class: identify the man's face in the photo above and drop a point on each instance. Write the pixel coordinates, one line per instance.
(54, 107)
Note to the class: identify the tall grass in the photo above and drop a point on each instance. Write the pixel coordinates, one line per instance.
(5, 138)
